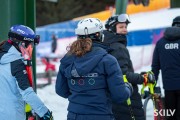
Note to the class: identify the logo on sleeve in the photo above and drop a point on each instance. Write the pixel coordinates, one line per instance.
(24, 71)
(172, 46)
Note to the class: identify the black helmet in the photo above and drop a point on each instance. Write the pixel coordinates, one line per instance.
(113, 20)
(176, 21)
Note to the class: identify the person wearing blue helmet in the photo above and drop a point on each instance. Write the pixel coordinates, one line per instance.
(15, 89)
(90, 77)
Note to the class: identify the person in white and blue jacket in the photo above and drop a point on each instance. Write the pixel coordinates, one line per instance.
(166, 57)
(15, 90)
(90, 77)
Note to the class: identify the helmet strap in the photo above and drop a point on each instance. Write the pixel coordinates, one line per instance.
(14, 43)
(10, 42)
(112, 28)
(95, 37)
(176, 25)
(16, 46)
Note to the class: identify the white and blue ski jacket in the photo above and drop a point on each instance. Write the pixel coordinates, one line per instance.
(15, 90)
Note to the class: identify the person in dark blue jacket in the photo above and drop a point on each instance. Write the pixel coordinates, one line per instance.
(166, 57)
(90, 77)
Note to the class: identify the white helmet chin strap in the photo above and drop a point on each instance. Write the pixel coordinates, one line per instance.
(102, 39)
(86, 31)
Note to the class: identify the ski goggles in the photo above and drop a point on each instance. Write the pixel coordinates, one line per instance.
(37, 40)
(26, 47)
(123, 18)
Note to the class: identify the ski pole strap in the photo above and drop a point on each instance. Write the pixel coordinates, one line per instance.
(142, 91)
(149, 85)
(125, 80)
(129, 101)
(150, 88)
(27, 108)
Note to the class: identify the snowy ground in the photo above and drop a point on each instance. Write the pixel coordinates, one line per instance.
(59, 105)
(56, 104)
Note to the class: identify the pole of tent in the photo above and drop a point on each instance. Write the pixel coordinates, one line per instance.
(121, 6)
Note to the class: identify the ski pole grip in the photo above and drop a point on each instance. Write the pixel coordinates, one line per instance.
(125, 79)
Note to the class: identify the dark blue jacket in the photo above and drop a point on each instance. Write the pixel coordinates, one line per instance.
(119, 50)
(90, 81)
(166, 58)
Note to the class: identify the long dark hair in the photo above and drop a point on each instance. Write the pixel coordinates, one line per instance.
(1, 44)
(80, 47)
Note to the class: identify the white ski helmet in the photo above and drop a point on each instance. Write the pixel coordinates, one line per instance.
(90, 28)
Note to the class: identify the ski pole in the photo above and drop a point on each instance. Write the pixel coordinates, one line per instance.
(150, 94)
(129, 101)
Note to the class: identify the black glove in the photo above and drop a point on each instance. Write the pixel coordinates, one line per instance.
(47, 116)
(148, 77)
(145, 95)
(127, 84)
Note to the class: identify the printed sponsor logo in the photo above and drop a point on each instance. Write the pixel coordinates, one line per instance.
(73, 81)
(74, 73)
(91, 81)
(29, 39)
(81, 81)
(21, 31)
(164, 112)
(24, 71)
(172, 46)
(91, 75)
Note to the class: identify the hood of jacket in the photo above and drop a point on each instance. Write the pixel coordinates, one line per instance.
(81, 66)
(9, 53)
(172, 33)
(110, 37)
